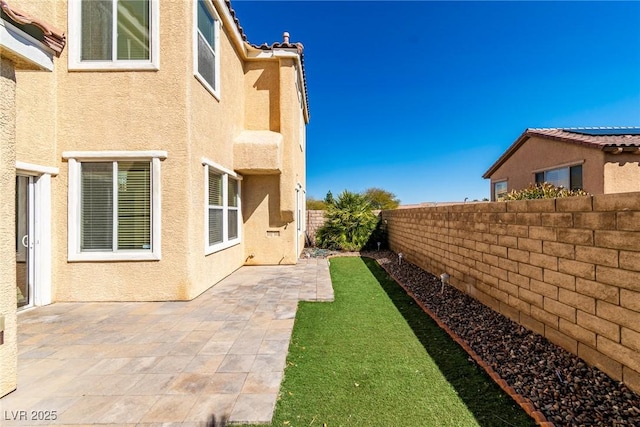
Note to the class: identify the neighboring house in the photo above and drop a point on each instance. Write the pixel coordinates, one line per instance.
(161, 154)
(597, 160)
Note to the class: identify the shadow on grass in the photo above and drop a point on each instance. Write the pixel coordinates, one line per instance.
(483, 397)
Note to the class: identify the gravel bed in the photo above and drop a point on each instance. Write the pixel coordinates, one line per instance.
(314, 252)
(559, 384)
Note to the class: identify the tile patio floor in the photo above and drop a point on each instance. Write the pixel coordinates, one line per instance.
(163, 363)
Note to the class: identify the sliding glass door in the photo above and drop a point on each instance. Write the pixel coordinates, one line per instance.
(24, 240)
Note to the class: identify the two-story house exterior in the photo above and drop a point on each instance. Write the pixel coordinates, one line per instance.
(598, 160)
(162, 153)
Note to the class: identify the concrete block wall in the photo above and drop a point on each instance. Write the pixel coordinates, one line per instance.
(315, 220)
(568, 269)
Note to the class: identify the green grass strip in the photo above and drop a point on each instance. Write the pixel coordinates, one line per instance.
(374, 358)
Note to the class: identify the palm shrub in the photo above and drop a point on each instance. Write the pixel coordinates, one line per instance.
(543, 191)
(349, 223)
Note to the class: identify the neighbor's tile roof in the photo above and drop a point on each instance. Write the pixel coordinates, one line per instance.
(52, 37)
(609, 137)
(277, 45)
(603, 138)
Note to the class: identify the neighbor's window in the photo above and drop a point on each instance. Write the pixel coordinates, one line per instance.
(206, 46)
(114, 212)
(567, 177)
(114, 33)
(223, 209)
(500, 190)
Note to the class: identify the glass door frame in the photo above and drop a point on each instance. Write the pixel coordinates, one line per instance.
(42, 226)
(25, 234)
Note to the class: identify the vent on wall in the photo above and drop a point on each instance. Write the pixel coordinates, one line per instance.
(275, 233)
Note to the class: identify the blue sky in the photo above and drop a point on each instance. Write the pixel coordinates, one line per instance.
(420, 98)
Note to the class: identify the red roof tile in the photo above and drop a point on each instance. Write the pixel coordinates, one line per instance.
(52, 37)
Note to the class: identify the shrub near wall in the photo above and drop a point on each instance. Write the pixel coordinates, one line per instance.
(568, 269)
(315, 220)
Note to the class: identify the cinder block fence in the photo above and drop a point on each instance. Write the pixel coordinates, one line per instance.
(568, 269)
(315, 220)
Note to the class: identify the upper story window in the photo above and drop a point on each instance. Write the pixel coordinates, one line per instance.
(207, 47)
(499, 190)
(113, 34)
(569, 177)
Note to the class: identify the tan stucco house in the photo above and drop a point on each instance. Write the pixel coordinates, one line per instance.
(598, 160)
(161, 153)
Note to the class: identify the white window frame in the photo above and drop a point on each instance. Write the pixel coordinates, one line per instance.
(495, 193)
(75, 44)
(75, 159)
(215, 91)
(226, 173)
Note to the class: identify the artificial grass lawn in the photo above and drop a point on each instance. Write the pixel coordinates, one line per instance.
(374, 358)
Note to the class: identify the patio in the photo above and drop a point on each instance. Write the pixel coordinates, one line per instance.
(163, 362)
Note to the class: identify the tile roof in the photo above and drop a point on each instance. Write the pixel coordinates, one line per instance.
(611, 139)
(285, 44)
(598, 137)
(51, 37)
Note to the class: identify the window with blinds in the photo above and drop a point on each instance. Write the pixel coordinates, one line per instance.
(115, 206)
(115, 30)
(223, 209)
(216, 208)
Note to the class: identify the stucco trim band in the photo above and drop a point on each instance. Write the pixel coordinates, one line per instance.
(37, 169)
(220, 168)
(15, 42)
(561, 165)
(89, 155)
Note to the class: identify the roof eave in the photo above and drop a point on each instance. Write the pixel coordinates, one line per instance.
(503, 158)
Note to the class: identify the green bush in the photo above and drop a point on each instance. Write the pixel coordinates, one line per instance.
(543, 191)
(349, 223)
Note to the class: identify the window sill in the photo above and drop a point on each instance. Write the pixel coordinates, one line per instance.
(113, 256)
(207, 86)
(221, 246)
(113, 66)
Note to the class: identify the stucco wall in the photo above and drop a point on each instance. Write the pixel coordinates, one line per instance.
(542, 154)
(262, 92)
(621, 173)
(568, 269)
(127, 111)
(8, 349)
(270, 200)
(268, 239)
(213, 126)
